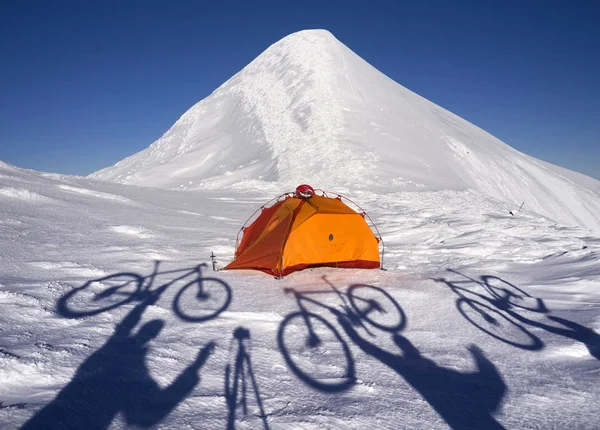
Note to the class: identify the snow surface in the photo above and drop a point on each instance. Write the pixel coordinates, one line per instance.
(309, 110)
(78, 346)
(483, 320)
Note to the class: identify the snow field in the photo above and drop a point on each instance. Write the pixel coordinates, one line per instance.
(486, 319)
(452, 259)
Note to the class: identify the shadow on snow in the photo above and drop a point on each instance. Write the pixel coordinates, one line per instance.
(115, 378)
(496, 304)
(463, 400)
(209, 296)
(239, 380)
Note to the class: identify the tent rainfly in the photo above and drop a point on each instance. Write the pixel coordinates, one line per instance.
(307, 229)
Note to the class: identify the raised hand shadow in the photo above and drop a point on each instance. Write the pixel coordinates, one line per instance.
(463, 400)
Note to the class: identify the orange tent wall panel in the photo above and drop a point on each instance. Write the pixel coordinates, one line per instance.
(265, 253)
(254, 230)
(320, 205)
(330, 205)
(331, 239)
(266, 222)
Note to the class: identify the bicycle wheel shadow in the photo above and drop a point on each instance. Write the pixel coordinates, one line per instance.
(463, 400)
(201, 299)
(500, 303)
(115, 379)
(117, 290)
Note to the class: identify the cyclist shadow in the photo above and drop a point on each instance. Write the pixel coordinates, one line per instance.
(570, 329)
(115, 379)
(238, 380)
(308, 331)
(486, 313)
(463, 400)
(501, 304)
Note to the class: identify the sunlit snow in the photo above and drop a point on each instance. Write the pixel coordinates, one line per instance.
(309, 109)
(113, 318)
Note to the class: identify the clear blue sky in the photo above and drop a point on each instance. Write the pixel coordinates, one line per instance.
(85, 83)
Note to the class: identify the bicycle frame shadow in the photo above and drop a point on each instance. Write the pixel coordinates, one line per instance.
(501, 304)
(115, 379)
(236, 382)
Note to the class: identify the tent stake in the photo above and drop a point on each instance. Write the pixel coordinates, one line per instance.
(214, 261)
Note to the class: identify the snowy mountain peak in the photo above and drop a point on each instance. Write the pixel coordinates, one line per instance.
(276, 120)
(309, 110)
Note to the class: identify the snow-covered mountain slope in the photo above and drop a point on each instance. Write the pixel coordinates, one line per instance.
(309, 110)
(496, 322)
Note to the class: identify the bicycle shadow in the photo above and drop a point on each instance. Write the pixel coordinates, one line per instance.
(236, 382)
(487, 314)
(200, 299)
(463, 400)
(115, 379)
(501, 305)
(308, 340)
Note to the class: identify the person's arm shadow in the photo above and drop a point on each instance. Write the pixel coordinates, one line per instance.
(134, 316)
(163, 401)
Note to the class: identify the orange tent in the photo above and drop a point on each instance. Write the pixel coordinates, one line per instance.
(306, 230)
